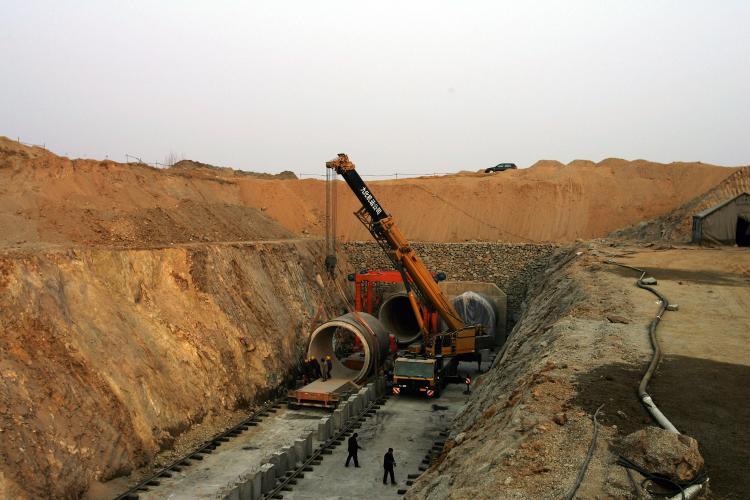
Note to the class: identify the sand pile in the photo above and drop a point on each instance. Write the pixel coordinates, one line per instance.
(45, 198)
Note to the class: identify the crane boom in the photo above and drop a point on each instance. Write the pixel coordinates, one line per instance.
(460, 338)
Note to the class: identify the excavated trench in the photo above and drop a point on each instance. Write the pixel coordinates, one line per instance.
(146, 344)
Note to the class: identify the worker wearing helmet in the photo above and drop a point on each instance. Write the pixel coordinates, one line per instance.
(329, 365)
(314, 368)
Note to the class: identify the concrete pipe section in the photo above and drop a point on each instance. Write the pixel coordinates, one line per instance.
(475, 309)
(357, 344)
(398, 318)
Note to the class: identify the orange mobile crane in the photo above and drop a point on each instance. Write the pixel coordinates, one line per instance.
(426, 369)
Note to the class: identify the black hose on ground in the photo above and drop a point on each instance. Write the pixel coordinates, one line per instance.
(589, 456)
(661, 480)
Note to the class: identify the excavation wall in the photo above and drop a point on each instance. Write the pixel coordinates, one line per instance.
(109, 354)
(510, 266)
(581, 345)
(677, 225)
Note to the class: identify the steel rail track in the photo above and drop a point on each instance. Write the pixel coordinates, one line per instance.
(206, 448)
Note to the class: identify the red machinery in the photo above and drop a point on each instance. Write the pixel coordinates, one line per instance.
(368, 296)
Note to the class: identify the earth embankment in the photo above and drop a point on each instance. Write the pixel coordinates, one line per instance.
(108, 354)
(677, 225)
(45, 198)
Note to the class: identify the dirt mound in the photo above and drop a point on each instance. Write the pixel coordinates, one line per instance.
(194, 167)
(546, 202)
(45, 198)
(677, 225)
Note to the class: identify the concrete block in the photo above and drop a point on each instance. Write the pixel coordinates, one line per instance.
(373, 391)
(269, 477)
(250, 486)
(324, 429)
(246, 488)
(281, 460)
(356, 404)
(233, 494)
(299, 450)
(364, 396)
(338, 419)
(257, 482)
(292, 457)
(308, 446)
(346, 409)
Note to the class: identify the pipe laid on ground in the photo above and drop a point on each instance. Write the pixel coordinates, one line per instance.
(372, 335)
(646, 400)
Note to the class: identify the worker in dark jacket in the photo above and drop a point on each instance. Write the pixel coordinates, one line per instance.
(306, 371)
(329, 365)
(388, 464)
(315, 368)
(353, 448)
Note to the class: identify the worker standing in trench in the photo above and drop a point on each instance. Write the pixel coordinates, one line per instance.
(315, 366)
(388, 464)
(354, 447)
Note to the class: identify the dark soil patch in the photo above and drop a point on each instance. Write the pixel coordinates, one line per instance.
(615, 386)
(688, 275)
(709, 401)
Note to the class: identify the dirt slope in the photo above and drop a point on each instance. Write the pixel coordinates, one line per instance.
(109, 354)
(583, 342)
(45, 198)
(677, 225)
(48, 199)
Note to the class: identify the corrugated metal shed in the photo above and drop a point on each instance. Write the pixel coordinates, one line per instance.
(727, 223)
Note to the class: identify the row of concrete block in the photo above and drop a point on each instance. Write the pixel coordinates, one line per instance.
(253, 486)
(349, 409)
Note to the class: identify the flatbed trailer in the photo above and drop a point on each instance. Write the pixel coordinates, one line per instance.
(322, 393)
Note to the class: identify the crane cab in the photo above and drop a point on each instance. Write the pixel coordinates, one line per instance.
(422, 376)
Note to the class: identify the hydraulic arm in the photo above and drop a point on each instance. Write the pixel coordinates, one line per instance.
(459, 338)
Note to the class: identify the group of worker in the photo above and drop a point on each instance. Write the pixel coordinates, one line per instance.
(312, 369)
(388, 461)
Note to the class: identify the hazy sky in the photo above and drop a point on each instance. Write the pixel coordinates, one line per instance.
(409, 86)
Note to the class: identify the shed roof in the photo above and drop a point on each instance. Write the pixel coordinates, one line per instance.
(721, 205)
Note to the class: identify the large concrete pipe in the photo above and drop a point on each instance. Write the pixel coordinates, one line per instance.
(397, 317)
(372, 336)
